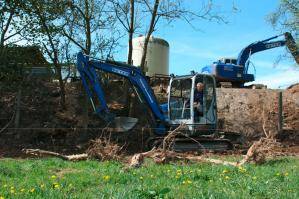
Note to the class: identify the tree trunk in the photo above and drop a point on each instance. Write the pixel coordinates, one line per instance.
(88, 31)
(131, 32)
(5, 29)
(61, 85)
(129, 106)
(87, 51)
(150, 31)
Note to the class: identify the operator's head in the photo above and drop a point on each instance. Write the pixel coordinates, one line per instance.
(199, 86)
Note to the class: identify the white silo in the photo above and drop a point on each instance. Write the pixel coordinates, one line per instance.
(157, 57)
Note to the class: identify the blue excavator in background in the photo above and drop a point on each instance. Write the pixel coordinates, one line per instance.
(235, 71)
(200, 127)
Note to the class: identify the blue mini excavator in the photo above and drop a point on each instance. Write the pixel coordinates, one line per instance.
(199, 130)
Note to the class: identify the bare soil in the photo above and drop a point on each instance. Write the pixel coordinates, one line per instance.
(43, 124)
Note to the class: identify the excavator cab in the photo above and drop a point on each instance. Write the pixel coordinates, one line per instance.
(192, 105)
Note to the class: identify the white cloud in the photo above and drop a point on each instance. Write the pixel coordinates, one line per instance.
(279, 80)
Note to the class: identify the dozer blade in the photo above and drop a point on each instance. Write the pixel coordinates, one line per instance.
(123, 124)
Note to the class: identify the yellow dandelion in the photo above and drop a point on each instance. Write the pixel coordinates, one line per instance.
(42, 185)
(12, 187)
(106, 177)
(225, 171)
(53, 177)
(286, 174)
(1, 197)
(226, 178)
(56, 186)
(32, 190)
(242, 170)
(189, 181)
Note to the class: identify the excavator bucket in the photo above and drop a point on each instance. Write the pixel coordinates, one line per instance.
(123, 124)
(292, 46)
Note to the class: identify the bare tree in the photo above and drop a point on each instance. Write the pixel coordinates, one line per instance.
(150, 30)
(286, 18)
(171, 10)
(89, 26)
(45, 16)
(12, 21)
(125, 13)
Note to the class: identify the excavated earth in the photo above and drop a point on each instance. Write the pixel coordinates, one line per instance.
(247, 110)
(43, 124)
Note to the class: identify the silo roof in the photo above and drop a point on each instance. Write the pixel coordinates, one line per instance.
(154, 40)
(159, 41)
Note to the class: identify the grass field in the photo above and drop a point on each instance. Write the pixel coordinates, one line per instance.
(55, 178)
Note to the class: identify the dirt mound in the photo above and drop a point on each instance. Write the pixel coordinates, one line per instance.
(249, 111)
(293, 88)
(44, 125)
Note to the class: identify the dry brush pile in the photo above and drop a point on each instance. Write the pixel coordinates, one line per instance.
(103, 149)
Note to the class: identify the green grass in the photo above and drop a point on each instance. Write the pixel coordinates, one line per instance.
(55, 178)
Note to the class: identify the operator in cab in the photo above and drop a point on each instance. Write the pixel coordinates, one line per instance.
(198, 100)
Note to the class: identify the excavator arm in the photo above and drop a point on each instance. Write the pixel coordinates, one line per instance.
(265, 45)
(92, 84)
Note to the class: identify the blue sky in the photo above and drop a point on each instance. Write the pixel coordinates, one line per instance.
(192, 49)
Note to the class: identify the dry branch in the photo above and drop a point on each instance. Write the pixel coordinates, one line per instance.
(104, 149)
(260, 150)
(39, 152)
(162, 157)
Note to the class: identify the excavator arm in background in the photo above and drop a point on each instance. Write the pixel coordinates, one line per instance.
(267, 44)
(257, 47)
(236, 72)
